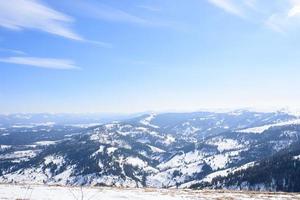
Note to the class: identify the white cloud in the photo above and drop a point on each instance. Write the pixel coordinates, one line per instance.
(295, 9)
(228, 6)
(286, 18)
(32, 14)
(279, 15)
(50, 63)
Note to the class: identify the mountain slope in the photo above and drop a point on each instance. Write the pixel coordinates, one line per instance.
(280, 172)
(154, 150)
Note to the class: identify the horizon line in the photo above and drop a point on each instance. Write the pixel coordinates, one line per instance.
(216, 110)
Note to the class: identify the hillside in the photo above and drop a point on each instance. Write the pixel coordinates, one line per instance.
(172, 150)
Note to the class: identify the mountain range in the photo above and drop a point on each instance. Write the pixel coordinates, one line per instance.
(240, 150)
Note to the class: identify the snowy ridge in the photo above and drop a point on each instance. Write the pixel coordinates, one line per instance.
(147, 121)
(261, 129)
(179, 150)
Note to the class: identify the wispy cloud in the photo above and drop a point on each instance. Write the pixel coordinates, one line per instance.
(101, 44)
(228, 6)
(13, 51)
(251, 4)
(32, 14)
(104, 12)
(150, 8)
(279, 16)
(286, 18)
(277, 22)
(295, 8)
(101, 11)
(50, 63)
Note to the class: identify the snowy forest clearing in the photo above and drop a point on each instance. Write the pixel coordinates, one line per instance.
(41, 192)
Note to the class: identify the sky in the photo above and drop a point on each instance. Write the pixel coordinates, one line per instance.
(112, 56)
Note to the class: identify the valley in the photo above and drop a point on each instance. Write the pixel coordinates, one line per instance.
(201, 150)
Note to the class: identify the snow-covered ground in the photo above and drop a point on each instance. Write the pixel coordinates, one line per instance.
(40, 192)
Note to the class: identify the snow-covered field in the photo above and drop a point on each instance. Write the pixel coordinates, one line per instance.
(40, 192)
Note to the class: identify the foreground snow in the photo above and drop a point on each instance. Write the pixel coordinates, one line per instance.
(39, 192)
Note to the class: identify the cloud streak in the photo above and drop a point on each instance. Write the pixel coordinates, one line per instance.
(295, 9)
(31, 14)
(286, 19)
(108, 13)
(49, 63)
(104, 12)
(280, 16)
(150, 8)
(228, 6)
(12, 51)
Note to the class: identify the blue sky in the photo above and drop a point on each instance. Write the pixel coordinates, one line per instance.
(140, 55)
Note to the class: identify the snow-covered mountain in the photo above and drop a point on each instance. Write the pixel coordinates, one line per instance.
(279, 172)
(154, 150)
